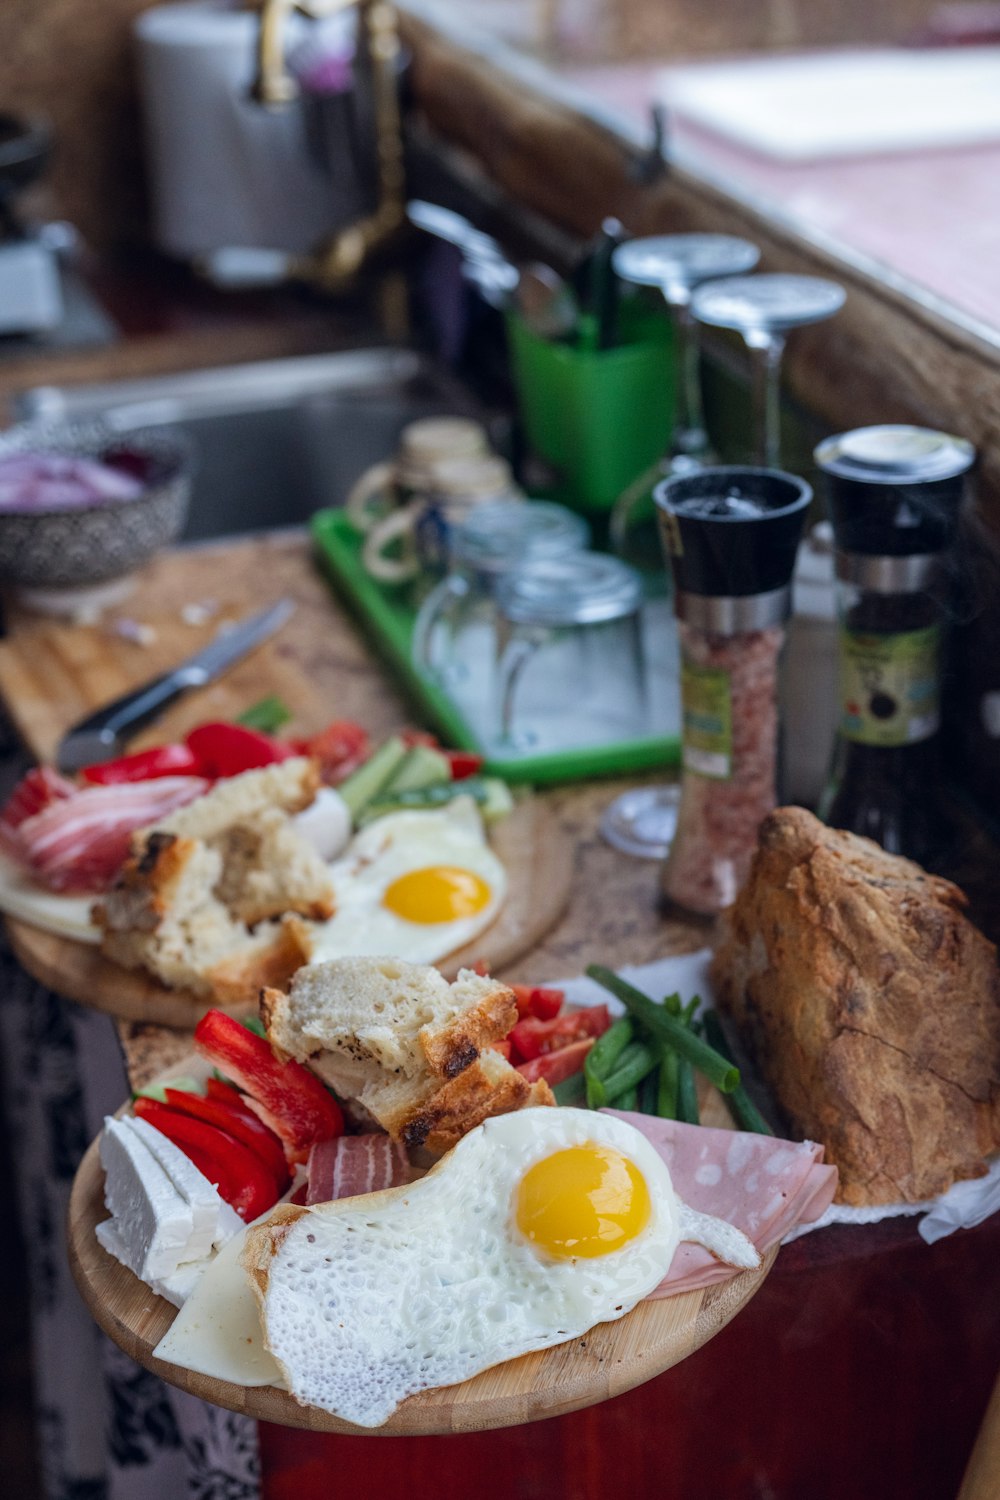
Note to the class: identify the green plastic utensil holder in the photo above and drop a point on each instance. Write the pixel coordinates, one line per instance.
(600, 417)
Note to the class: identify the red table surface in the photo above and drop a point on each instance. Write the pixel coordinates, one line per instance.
(861, 1371)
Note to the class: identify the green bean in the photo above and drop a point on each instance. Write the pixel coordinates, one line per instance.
(647, 1092)
(666, 1085)
(606, 1050)
(662, 1025)
(629, 1099)
(634, 1063)
(572, 1090)
(741, 1106)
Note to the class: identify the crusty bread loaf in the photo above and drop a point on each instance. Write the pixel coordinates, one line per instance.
(204, 900)
(871, 1006)
(400, 1041)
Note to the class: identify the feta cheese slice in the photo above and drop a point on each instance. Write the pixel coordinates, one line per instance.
(213, 1220)
(153, 1223)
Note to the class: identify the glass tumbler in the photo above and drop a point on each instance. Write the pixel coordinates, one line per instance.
(570, 669)
(454, 636)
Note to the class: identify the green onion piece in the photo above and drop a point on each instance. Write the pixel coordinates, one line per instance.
(634, 1063)
(268, 715)
(628, 1100)
(687, 1094)
(741, 1106)
(666, 1085)
(662, 1025)
(672, 1004)
(572, 1090)
(603, 1055)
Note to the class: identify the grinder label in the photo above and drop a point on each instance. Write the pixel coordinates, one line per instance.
(707, 700)
(889, 686)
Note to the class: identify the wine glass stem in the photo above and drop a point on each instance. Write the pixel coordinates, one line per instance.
(689, 426)
(767, 356)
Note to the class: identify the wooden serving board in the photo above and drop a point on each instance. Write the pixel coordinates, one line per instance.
(609, 1360)
(534, 851)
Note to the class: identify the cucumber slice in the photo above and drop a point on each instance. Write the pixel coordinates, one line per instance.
(423, 766)
(369, 780)
(184, 1085)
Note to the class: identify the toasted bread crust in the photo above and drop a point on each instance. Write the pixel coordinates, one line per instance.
(871, 1006)
(465, 1102)
(240, 978)
(453, 1048)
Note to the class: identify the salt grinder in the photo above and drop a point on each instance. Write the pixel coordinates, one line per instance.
(730, 536)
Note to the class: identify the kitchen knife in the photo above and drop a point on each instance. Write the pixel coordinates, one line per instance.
(103, 734)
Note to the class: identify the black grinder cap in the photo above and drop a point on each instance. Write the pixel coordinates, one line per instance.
(894, 491)
(731, 532)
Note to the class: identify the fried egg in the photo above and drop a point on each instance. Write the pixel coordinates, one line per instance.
(415, 885)
(534, 1228)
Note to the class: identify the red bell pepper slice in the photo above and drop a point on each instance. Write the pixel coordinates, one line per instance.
(299, 1108)
(556, 1066)
(532, 1038)
(145, 765)
(229, 749)
(463, 763)
(238, 1121)
(538, 1000)
(238, 1174)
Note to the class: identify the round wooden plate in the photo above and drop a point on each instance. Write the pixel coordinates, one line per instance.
(533, 849)
(610, 1359)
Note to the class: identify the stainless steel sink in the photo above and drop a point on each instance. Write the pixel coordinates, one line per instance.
(273, 441)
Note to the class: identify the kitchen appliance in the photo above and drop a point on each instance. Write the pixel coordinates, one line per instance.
(30, 292)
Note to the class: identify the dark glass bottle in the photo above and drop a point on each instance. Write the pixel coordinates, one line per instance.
(894, 498)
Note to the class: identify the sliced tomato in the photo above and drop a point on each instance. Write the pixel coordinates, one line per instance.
(540, 1001)
(463, 763)
(238, 1174)
(340, 748)
(145, 765)
(299, 1108)
(229, 749)
(232, 1116)
(556, 1066)
(532, 1038)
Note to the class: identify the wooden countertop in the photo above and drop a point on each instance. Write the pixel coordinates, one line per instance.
(612, 917)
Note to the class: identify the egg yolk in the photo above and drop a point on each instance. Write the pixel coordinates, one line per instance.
(439, 893)
(584, 1201)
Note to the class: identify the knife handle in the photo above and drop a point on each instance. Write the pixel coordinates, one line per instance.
(93, 737)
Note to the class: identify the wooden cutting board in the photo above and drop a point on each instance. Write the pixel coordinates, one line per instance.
(52, 673)
(611, 1359)
(534, 851)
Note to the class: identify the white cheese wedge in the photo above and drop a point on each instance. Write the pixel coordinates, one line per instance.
(217, 1332)
(326, 823)
(176, 1287)
(152, 1222)
(66, 916)
(213, 1220)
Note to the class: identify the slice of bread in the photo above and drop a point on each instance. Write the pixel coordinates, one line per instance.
(207, 901)
(398, 1040)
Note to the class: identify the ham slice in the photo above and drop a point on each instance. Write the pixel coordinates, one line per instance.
(762, 1185)
(354, 1164)
(79, 842)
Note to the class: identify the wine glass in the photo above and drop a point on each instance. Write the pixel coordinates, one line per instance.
(642, 821)
(764, 309)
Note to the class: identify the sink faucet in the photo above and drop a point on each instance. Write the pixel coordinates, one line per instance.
(378, 51)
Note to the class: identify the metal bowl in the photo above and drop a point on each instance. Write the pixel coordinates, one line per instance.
(93, 544)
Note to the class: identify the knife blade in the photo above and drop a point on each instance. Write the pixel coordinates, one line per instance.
(102, 735)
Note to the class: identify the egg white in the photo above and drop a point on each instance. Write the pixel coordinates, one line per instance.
(371, 1299)
(364, 927)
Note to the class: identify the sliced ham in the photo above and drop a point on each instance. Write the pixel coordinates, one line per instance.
(762, 1185)
(79, 842)
(354, 1164)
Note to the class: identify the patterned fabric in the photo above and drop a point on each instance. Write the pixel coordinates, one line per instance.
(108, 1430)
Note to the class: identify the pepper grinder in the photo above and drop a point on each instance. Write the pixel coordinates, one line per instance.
(894, 496)
(730, 536)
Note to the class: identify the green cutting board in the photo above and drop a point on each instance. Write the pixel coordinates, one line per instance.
(388, 617)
